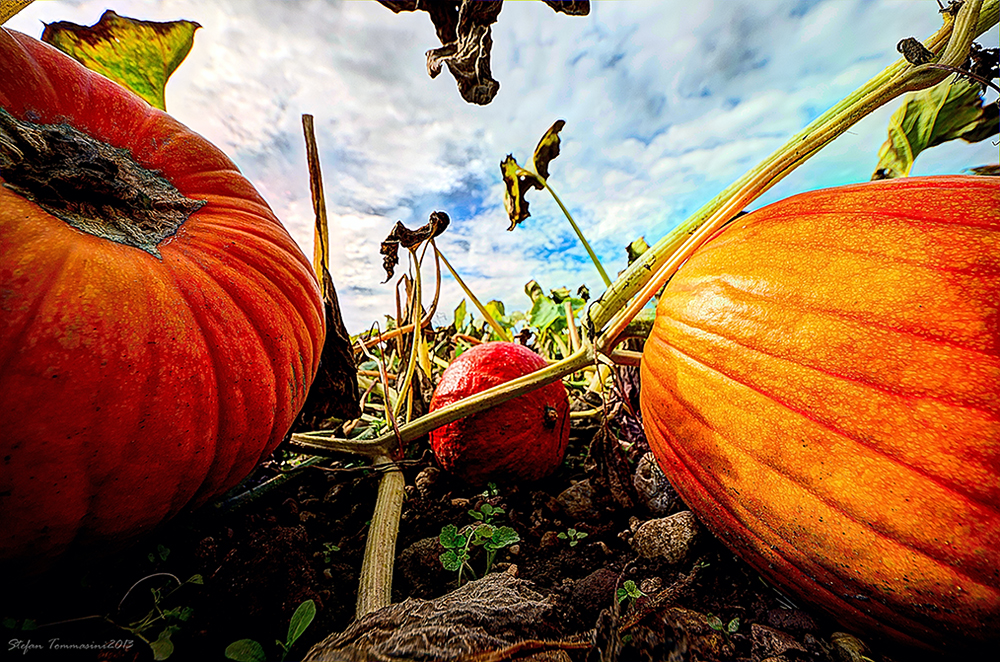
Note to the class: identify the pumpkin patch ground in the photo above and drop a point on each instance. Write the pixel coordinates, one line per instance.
(305, 541)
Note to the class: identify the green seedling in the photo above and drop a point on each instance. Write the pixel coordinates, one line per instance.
(486, 513)
(167, 621)
(726, 629)
(249, 650)
(329, 549)
(628, 592)
(573, 536)
(457, 544)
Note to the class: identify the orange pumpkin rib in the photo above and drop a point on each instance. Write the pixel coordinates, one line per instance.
(777, 560)
(773, 370)
(853, 506)
(971, 375)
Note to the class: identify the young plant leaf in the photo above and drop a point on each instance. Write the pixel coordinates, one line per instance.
(449, 537)
(246, 650)
(303, 616)
(517, 182)
(139, 55)
(451, 561)
(547, 149)
(950, 110)
(502, 537)
(163, 648)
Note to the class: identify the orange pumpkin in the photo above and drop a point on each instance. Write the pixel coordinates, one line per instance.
(822, 387)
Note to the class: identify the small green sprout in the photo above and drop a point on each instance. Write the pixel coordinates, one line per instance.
(573, 536)
(629, 591)
(727, 629)
(248, 650)
(486, 513)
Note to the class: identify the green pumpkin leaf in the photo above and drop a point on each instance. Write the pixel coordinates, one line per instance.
(517, 182)
(544, 312)
(547, 149)
(246, 650)
(139, 55)
(303, 616)
(449, 537)
(950, 110)
(10, 7)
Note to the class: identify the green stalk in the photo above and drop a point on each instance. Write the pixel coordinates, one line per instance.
(502, 332)
(579, 232)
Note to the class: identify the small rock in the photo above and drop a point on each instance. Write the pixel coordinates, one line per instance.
(793, 621)
(460, 502)
(514, 550)
(425, 480)
(654, 490)
(549, 540)
(768, 642)
(671, 537)
(577, 500)
(651, 585)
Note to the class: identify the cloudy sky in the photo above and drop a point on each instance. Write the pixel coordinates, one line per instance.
(666, 102)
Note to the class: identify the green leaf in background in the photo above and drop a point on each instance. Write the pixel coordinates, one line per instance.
(246, 650)
(10, 7)
(518, 182)
(951, 109)
(301, 619)
(547, 149)
(502, 537)
(139, 55)
(460, 314)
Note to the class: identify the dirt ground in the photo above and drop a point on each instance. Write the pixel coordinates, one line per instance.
(304, 540)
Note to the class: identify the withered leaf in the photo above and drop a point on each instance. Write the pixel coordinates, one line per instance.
(410, 239)
(463, 28)
(334, 392)
(138, 55)
(517, 181)
(548, 149)
(570, 7)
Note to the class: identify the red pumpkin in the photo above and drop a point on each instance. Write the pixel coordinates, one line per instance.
(522, 439)
(137, 382)
(822, 387)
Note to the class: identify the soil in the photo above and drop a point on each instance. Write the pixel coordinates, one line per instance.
(304, 540)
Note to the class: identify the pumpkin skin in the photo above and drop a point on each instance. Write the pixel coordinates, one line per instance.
(822, 387)
(523, 439)
(132, 387)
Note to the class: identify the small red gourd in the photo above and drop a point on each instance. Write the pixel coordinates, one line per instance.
(149, 362)
(822, 387)
(522, 439)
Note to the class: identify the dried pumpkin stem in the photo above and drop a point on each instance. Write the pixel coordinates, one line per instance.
(578, 231)
(502, 332)
(952, 42)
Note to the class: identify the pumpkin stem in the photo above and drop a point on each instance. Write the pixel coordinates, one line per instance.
(92, 186)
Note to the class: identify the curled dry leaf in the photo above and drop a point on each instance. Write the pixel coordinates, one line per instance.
(463, 27)
(138, 55)
(410, 239)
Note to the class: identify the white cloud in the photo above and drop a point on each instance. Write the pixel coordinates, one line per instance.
(666, 103)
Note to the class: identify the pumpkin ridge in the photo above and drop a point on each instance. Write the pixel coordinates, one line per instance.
(678, 447)
(910, 216)
(876, 256)
(982, 405)
(938, 480)
(29, 320)
(764, 547)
